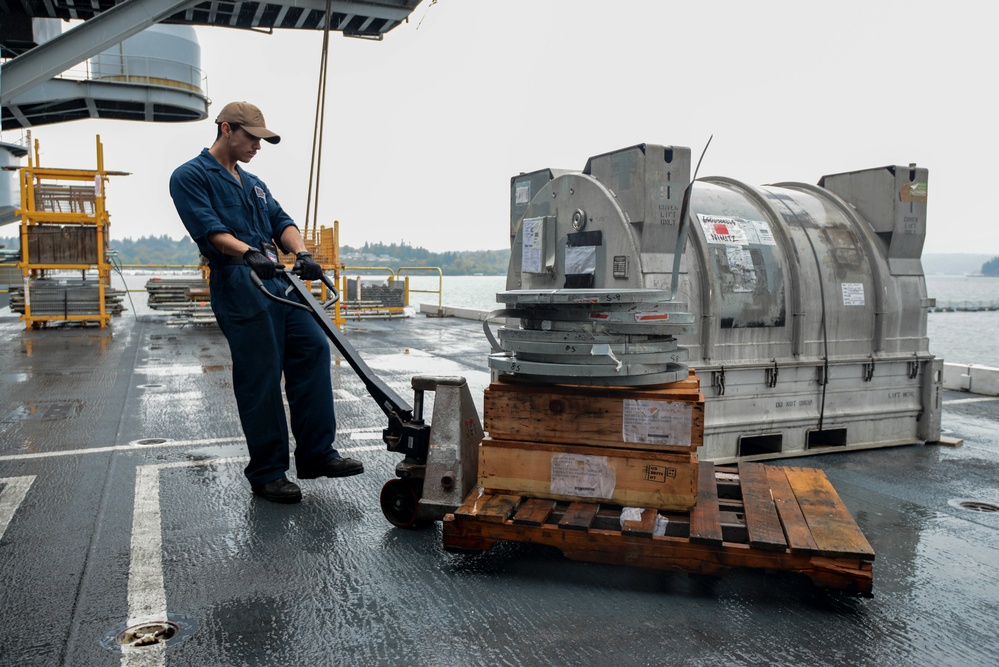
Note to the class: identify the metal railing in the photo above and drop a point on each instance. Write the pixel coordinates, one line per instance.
(440, 284)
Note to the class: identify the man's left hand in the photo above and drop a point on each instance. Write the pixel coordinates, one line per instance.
(306, 267)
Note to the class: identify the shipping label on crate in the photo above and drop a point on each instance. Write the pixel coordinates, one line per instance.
(658, 473)
(582, 475)
(657, 422)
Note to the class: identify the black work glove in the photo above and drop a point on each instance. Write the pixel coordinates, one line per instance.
(306, 267)
(260, 263)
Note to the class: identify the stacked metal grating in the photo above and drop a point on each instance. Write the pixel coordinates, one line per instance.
(592, 337)
(186, 300)
(387, 294)
(173, 293)
(65, 297)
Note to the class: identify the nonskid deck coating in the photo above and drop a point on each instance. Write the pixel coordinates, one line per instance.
(331, 582)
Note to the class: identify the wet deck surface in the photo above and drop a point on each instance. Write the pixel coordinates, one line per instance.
(330, 581)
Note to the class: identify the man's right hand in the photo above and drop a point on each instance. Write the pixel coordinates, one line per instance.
(260, 263)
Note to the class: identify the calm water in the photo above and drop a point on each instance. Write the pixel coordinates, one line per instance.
(958, 337)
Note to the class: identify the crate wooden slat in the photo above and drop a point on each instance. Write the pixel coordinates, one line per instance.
(843, 559)
(627, 477)
(595, 416)
(499, 508)
(705, 522)
(579, 516)
(762, 521)
(644, 527)
(830, 523)
(799, 537)
(534, 512)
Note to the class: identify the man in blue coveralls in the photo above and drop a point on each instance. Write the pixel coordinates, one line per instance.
(234, 220)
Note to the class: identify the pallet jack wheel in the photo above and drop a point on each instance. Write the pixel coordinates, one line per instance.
(399, 500)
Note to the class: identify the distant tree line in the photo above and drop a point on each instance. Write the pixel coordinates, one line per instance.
(163, 250)
(144, 251)
(464, 263)
(991, 267)
(156, 251)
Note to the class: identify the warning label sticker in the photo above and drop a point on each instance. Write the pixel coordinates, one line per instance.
(853, 294)
(582, 475)
(657, 422)
(531, 247)
(522, 192)
(723, 230)
(656, 473)
(732, 231)
(763, 233)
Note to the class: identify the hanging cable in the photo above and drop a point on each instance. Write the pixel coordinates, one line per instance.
(315, 164)
(116, 265)
(432, 3)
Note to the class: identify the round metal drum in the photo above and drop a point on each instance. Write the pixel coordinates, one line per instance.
(608, 357)
(576, 347)
(600, 327)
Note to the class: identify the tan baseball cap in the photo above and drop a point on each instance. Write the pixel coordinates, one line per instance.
(249, 118)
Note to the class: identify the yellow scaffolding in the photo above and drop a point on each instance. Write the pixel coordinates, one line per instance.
(324, 244)
(64, 226)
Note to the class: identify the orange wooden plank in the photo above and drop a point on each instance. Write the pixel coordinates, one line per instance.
(799, 536)
(705, 523)
(498, 509)
(643, 527)
(473, 502)
(762, 522)
(534, 512)
(579, 516)
(835, 532)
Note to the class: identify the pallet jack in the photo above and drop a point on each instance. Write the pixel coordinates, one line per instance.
(440, 461)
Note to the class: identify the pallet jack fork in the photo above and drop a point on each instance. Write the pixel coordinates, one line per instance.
(440, 464)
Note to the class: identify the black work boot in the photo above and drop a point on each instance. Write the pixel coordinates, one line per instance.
(338, 467)
(279, 491)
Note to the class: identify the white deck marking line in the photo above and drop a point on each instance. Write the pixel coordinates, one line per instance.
(367, 448)
(367, 435)
(344, 396)
(14, 491)
(983, 399)
(119, 448)
(171, 443)
(146, 590)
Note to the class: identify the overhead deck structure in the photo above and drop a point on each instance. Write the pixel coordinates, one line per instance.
(35, 60)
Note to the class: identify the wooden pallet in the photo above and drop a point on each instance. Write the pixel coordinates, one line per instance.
(755, 516)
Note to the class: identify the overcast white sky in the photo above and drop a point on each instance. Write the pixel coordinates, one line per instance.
(425, 129)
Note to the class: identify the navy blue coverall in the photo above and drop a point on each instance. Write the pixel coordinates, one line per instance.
(265, 338)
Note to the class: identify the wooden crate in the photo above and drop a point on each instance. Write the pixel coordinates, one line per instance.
(62, 244)
(753, 516)
(669, 418)
(627, 477)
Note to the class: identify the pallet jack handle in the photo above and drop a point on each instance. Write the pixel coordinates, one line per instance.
(407, 433)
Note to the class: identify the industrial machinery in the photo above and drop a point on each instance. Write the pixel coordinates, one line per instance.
(809, 302)
(439, 468)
